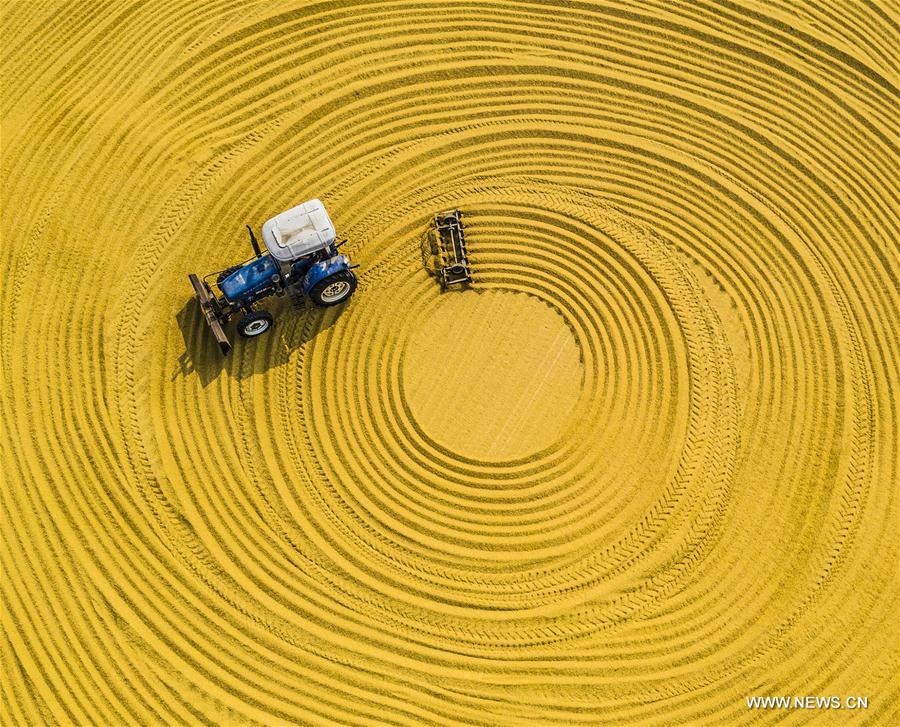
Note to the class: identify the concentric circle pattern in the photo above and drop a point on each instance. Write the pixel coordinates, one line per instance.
(643, 468)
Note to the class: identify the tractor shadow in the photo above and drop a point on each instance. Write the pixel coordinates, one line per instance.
(293, 328)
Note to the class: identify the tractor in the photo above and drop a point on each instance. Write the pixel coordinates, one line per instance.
(301, 260)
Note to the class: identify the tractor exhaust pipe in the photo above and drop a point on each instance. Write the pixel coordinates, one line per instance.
(254, 242)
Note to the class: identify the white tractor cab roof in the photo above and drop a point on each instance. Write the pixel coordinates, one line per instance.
(299, 231)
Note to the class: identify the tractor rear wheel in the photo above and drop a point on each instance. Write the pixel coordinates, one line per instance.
(334, 289)
(255, 324)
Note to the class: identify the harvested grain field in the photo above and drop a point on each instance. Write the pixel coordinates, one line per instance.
(644, 468)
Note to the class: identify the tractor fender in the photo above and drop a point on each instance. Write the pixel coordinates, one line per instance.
(322, 269)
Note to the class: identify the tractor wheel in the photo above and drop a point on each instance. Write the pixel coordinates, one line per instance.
(334, 289)
(255, 324)
(225, 273)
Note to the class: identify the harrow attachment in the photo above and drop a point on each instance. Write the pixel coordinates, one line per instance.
(450, 248)
(212, 311)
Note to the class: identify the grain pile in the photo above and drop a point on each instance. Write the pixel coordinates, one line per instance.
(645, 467)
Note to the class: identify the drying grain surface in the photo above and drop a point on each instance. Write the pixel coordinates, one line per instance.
(493, 376)
(644, 468)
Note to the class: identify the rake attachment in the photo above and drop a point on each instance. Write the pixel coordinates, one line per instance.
(211, 310)
(450, 241)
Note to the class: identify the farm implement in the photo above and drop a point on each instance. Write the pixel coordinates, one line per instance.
(301, 260)
(448, 245)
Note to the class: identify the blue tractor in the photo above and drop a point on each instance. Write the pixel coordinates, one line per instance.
(301, 260)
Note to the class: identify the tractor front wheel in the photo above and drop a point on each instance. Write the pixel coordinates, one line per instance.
(255, 324)
(334, 289)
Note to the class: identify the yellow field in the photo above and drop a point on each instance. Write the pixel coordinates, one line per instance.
(644, 468)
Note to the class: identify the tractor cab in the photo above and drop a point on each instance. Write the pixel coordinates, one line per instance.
(299, 232)
(301, 259)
